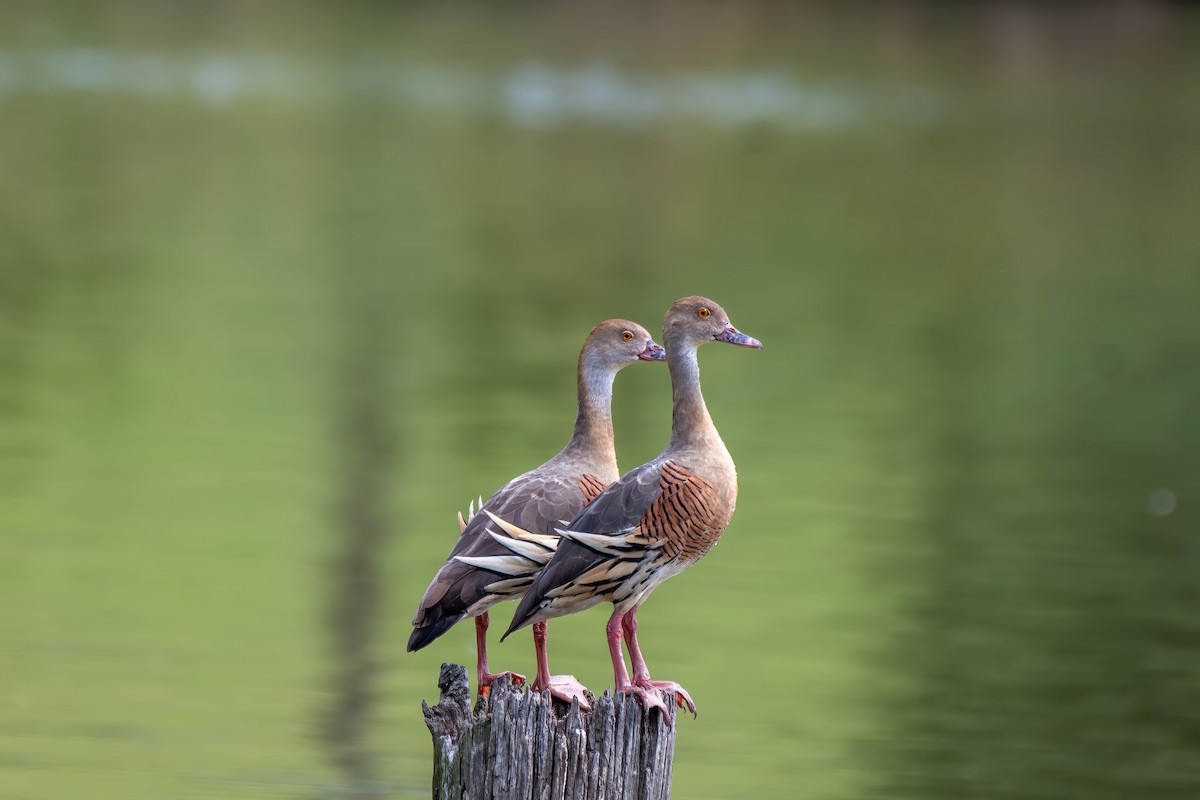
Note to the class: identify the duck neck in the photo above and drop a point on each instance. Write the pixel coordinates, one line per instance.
(689, 417)
(593, 435)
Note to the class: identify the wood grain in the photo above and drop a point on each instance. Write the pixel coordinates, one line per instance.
(516, 745)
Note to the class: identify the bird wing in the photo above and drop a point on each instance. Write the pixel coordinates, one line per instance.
(621, 544)
(621, 506)
(500, 549)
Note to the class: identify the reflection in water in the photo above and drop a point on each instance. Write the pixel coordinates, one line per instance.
(365, 449)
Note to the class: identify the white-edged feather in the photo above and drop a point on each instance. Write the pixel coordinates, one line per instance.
(462, 523)
(534, 551)
(612, 544)
(505, 565)
(544, 539)
(510, 586)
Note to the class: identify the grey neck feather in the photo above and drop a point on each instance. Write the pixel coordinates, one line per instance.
(689, 416)
(592, 439)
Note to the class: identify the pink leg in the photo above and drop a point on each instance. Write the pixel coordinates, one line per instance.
(487, 678)
(564, 687)
(542, 681)
(649, 698)
(641, 673)
(613, 631)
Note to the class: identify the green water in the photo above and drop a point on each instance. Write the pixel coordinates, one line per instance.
(267, 322)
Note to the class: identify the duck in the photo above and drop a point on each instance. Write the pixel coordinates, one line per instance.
(504, 542)
(653, 523)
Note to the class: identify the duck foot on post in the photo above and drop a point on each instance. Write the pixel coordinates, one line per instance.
(641, 673)
(486, 679)
(564, 687)
(649, 698)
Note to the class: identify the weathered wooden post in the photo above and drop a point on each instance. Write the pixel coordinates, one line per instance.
(517, 745)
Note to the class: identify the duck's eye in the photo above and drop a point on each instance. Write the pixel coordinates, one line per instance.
(703, 311)
(627, 335)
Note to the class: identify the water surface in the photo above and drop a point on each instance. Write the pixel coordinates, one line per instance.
(278, 299)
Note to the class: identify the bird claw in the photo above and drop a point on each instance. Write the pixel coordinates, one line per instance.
(566, 688)
(681, 696)
(488, 678)
(649, 698)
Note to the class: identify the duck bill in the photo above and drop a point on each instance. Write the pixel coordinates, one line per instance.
(653, 352)
(732, 335)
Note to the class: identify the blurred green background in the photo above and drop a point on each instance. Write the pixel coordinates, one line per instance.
(283, 286)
